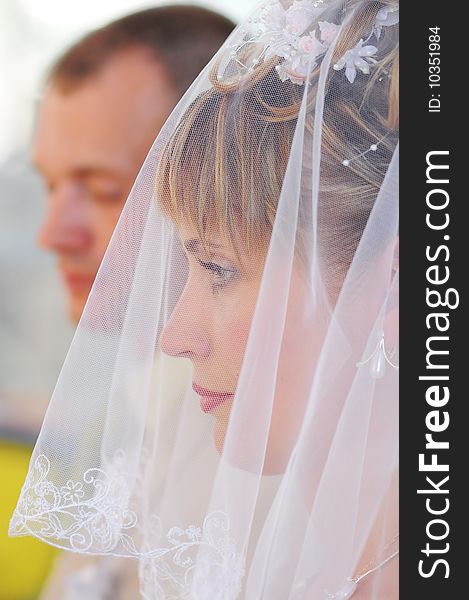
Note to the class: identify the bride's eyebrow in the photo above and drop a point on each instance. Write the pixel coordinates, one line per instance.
(194, 246)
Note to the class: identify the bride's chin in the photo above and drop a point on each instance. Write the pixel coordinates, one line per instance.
(222, 415)
(219, 434)
(275, 462)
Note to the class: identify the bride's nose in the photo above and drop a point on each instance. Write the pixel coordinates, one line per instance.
(186, 334)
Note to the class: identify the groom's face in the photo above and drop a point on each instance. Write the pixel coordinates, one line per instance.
(89, 145)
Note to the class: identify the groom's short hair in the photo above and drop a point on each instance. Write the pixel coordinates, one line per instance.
(181, 38)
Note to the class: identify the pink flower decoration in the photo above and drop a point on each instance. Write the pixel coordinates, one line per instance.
(310, 45)
(329, 31)
(299, 16)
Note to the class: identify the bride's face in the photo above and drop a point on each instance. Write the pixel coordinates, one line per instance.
(210, 326)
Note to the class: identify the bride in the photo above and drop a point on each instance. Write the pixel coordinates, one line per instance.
(227, 413)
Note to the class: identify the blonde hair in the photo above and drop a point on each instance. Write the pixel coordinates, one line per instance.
(225, 163)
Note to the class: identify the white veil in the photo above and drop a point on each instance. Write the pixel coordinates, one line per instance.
(227, 413)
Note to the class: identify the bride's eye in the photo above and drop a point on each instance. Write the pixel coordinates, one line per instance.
(222, 275)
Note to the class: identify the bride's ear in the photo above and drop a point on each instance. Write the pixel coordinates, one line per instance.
(391, 320)
(395, 258)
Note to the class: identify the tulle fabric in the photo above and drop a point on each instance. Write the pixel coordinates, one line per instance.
(294, 490)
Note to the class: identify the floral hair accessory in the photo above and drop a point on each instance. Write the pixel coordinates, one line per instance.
(359, 57)
(295, 35)
(386, 17)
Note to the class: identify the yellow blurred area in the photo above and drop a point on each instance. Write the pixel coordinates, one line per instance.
(25, 561)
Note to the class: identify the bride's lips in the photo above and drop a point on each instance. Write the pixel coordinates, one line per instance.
(210, 399)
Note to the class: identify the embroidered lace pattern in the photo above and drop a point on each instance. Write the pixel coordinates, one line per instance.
(92, 516)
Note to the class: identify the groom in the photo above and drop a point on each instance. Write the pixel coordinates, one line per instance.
(105, 100)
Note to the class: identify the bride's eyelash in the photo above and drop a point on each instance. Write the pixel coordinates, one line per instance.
(223, 274)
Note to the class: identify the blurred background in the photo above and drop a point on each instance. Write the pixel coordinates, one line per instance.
(34, 329)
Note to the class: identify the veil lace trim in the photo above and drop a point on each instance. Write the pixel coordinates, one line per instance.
(92, 516)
